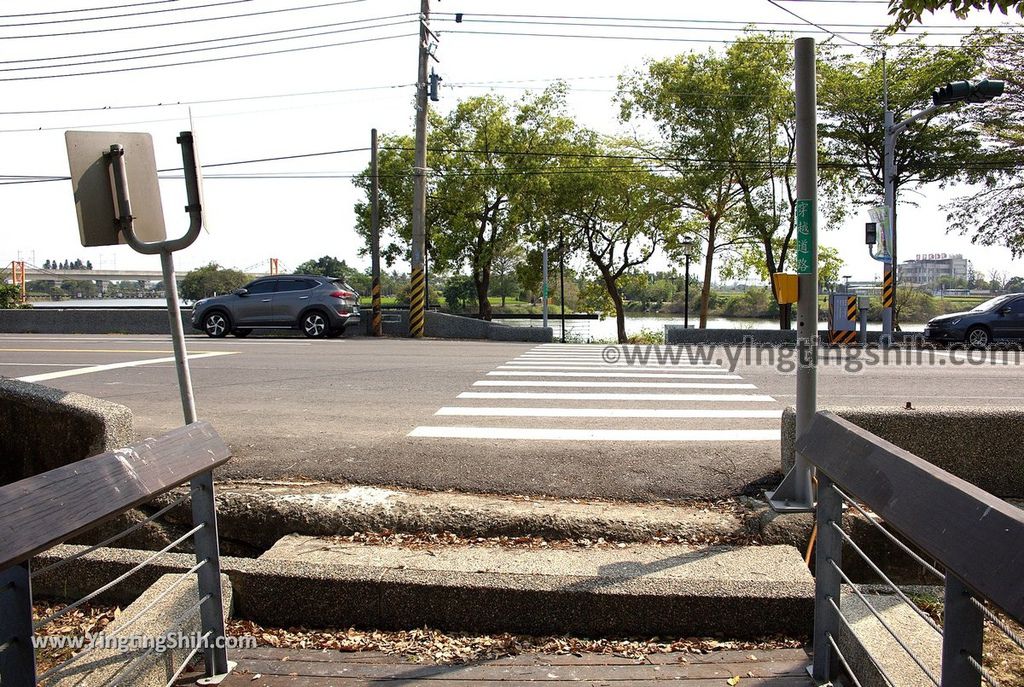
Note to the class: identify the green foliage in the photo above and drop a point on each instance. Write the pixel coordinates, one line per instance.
(937, 149)
(994, 215)
(907, 12)
(10, 295)
(458, 292)
(329, 266)
(211, 280)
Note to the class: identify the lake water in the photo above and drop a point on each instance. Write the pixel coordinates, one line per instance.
(577, 330)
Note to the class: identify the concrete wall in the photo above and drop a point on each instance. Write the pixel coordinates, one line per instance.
(677, 334)
(154, 321)
(43, 428)
(89, 321)
(980, 445)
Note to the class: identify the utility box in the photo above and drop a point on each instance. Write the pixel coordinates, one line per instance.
(787, 287)
(843, 313)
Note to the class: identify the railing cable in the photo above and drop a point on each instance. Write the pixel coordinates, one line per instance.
(893, 538)
(886, 625)
(849, 628)
(892, 585)
(75, 604)
(75, 556)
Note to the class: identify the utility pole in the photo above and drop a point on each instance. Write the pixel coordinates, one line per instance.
(561, 275)
(544, 285)
(376, 325)
(417, 304)
(796, 493)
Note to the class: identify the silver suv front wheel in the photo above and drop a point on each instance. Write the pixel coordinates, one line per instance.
(216, 325)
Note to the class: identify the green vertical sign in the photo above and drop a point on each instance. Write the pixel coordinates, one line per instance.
(804, 262)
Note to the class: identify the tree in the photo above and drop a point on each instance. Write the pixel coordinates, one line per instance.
(503, 268)
(906, 12)
(211, 280)
(458, 291)
(696, 103)
(937, 149)
(621, 218)
(994, 215)
(493, 157)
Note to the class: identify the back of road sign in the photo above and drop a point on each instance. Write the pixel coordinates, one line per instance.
(94, 189)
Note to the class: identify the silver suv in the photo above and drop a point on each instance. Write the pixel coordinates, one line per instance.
(319, 306)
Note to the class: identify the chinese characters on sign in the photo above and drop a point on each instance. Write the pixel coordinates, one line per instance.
(805, 248)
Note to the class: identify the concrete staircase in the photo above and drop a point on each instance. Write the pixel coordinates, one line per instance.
(625, 589)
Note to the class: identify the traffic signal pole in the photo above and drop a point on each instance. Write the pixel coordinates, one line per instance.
(950, 94)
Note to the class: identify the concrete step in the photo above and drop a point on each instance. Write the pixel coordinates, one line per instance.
(158, 609)
(649, 590)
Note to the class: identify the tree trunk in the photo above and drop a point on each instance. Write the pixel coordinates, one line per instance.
(620, 310)
(482, 281)
(709, 261)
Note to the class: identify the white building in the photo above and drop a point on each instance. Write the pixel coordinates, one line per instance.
(927, 269)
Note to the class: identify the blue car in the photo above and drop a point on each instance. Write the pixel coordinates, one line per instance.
(997, 319)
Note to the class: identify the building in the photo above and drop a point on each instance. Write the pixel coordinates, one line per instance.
(928, 269)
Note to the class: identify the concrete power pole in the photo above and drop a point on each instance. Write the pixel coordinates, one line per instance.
(376, 324)
(417, 303)
(796, 493)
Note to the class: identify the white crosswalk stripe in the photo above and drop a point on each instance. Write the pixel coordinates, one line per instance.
(592, 393)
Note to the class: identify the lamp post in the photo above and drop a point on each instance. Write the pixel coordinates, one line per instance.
(687, 245)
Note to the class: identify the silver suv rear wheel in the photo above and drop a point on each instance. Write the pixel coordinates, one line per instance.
(314, 325)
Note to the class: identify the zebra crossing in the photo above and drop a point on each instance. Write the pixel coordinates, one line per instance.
(557, 392)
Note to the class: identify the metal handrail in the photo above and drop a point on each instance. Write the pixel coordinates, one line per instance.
(94, 491)
(953, 522)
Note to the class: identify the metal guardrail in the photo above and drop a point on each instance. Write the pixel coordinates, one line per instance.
(40, 512)
(971, 541)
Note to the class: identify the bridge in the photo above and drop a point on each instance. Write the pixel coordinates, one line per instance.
(40, 274)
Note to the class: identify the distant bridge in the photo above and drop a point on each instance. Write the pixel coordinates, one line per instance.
(38, 274)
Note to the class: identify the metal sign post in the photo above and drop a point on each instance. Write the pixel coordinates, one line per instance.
(796, 493)
(125, 166)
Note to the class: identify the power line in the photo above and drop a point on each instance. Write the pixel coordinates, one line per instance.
(197, 20)
(471, 17)
(215, 47)
(808, 21)
(735, 27)
(207, 60)
(126, 14)
(208, 40)
(178, 103)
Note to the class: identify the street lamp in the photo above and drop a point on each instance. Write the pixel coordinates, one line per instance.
(950, 94)
(687, 243)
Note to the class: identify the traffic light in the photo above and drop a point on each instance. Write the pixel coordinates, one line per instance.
(951, 93)
(871, 233)
(967, 91)
(985, 90)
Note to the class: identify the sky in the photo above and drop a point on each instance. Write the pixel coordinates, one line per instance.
(352, 69)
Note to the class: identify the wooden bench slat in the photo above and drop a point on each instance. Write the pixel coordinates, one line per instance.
(40, 511)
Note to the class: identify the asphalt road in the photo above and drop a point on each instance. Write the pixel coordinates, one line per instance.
(489, 416)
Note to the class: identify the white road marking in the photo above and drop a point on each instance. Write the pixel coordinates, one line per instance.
(48, 364)
(470, 411)
(613, 385)
(709, 369)
(541, 434)
(598, 396)
(611, 366)
(114, 366)
(641, 375)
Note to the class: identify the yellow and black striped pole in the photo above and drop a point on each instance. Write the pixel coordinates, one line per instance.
(888, 298)
(376, 324)
(417, 302)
